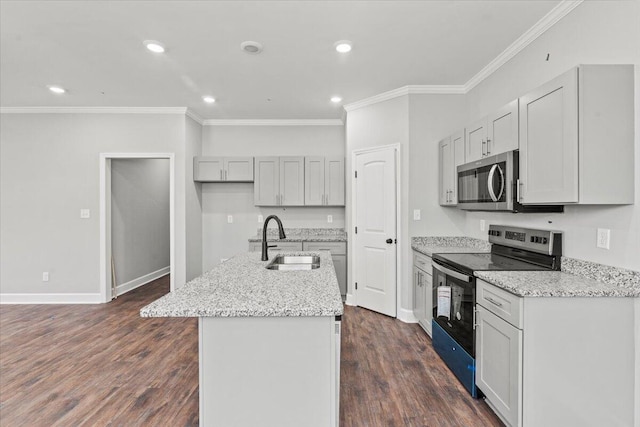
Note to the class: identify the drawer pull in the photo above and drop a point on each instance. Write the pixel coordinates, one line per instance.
(491, 300)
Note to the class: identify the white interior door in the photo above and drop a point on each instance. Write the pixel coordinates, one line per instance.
(375, 238)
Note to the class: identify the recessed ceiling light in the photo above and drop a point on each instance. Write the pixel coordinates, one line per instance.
(336, 99)
(154, 46)
(57, 89)
(209, 99)
(251, 47)
(343, 46)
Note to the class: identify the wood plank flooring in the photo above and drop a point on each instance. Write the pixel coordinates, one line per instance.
(103, 365)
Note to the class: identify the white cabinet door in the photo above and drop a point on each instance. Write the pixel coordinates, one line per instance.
(476, 140)
(418, 294)
(291, 181)
(208, 169)
(502, 135)
(499, 364)
(549, 142)
(445, 168)
(266, 187)
(334, 181)
(427, 283)
(314, 181)
(238, 169)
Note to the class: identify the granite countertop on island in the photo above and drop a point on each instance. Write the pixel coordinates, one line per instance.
(304, 235)
(242, 287)
(448, 244)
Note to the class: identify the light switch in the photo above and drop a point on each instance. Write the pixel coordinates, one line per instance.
(85, 213)
(329, 219)
(483, 225)
(416, 214)
(229, 219)
(260, 219)
(45, 276)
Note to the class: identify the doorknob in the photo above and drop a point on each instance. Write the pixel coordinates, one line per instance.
(389, 241)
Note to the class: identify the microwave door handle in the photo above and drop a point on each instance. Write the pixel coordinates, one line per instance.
(492, 172)
(451, 273)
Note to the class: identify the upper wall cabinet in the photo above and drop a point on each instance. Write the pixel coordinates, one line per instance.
(324, 181)
(451, 154)
(223, 169)
(577, 137)
(279, 181)
(494, 134)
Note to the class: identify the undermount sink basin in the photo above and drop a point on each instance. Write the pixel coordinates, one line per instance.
(294, 262)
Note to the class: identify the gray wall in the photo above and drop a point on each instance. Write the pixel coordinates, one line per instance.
(223, 240)
(193, 198)
(49, 170)
(139, 217)
(595, 32)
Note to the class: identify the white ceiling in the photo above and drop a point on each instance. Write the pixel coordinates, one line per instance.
(95, 50)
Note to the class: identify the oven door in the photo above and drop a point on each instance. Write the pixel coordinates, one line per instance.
(486, 184)
(454, 297)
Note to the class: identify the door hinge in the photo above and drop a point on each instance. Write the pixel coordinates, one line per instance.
(356, 286)
(395, 241)
(356, 230)
(356, 174)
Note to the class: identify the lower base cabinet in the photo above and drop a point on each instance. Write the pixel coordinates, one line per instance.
(422, 291)
(556, 361)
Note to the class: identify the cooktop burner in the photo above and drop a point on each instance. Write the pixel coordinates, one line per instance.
(486, 262)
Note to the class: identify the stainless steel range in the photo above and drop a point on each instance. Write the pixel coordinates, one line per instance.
(454, 289)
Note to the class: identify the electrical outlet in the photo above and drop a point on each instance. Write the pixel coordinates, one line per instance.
(85, 213)
(260, 219)
(483, 225)
(229, 219)
(329, 219)
(45, 276)
(416, 214)
(604, 238)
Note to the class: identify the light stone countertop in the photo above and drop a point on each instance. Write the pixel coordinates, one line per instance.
(242, 287)
(448, 244)
(303, 235)
(555, 284)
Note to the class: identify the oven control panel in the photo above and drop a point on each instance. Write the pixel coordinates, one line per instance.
(543, 241)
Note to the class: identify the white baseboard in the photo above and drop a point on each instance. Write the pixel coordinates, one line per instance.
(51, 298)
(142, 280)
(406, 316)
(351, 300)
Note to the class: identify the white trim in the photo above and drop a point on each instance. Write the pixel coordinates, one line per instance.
(406, 315)
(539, 28)
(142, 280)
(274, 122)
(105, 216)
(50, 299)
(407, 90)
(93, 110)
(192, 114)
(352, 299)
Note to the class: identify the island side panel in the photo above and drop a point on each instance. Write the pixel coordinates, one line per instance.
(267, 371)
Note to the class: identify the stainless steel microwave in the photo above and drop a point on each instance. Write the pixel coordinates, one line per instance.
(490, 184)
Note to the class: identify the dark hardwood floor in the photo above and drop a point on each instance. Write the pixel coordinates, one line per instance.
(103, 365)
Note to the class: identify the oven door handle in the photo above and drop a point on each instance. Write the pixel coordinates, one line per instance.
(451, 273)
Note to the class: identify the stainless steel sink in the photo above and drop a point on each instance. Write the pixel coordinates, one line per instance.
(294, 262)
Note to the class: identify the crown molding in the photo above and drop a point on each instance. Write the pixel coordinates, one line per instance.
(539, 28)
(192, 114)
(274, 122)
(93, 110)
(407, 90)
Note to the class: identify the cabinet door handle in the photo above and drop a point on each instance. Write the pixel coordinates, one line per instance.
(225, 175)
(483, 145)
(221, 179)
(518, 190)
(492, 301)
(488, 151)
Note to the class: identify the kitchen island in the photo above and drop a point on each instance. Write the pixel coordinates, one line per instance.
(269, 342)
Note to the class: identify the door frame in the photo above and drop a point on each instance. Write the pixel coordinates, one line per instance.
(105, 216)
(354, 211)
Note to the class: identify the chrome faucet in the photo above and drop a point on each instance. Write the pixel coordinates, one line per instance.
(265, 255)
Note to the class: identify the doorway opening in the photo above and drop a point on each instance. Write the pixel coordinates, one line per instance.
(121, 211)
